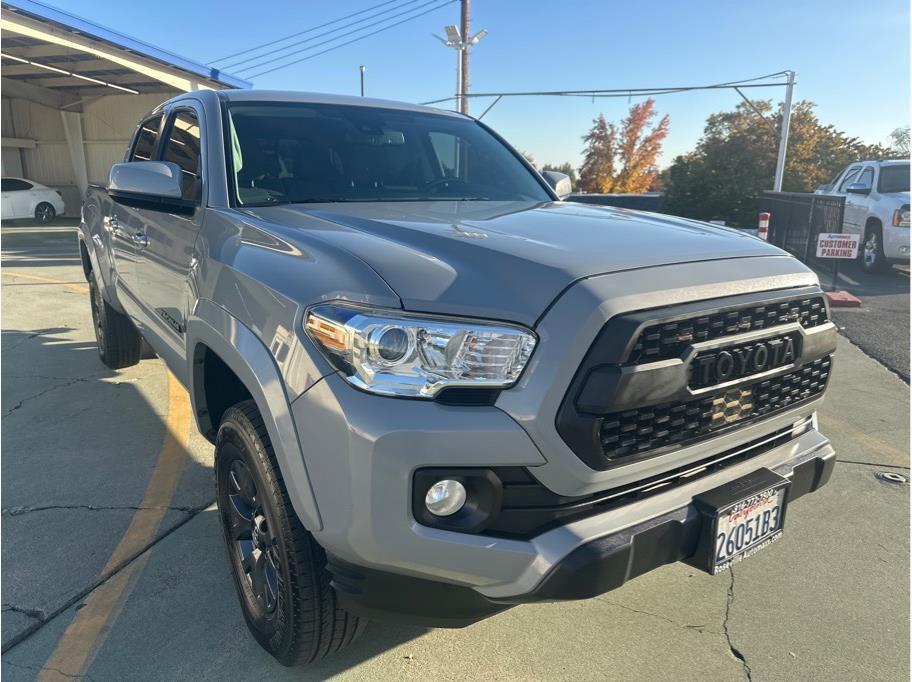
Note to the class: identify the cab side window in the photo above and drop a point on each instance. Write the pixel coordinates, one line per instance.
(866, 178)
(146, 138)
(848, 180)
(183, 148)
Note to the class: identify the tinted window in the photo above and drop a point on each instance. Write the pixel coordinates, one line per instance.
(866, 178)
(893, 179)
(183, 148)
(848, 180)
(292, 153)
(144, 147)
(14, 185)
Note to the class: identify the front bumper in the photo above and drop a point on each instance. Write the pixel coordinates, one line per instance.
(362, 452)
(593, 568)
(896, 243)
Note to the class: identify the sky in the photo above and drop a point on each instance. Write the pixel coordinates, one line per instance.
(851, 57)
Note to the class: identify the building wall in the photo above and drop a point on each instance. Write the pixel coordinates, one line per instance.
(107, 125)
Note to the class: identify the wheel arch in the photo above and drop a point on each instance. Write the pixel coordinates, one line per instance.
(215, 338)
(874, 221)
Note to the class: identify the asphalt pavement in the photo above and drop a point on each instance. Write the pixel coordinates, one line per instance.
(113, 566)
(880, 327)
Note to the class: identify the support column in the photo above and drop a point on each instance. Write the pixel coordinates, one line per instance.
(72, 128)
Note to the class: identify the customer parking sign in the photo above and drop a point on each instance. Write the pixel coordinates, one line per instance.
(833, 245)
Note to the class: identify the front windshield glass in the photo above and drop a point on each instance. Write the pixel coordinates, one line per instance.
(305, 153)
(893, 179)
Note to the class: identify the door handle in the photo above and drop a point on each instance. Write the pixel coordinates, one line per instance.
(141, 240)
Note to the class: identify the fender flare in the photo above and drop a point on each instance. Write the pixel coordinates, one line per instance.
(247, 356)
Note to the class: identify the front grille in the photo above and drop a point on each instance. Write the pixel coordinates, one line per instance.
(651, 429)
(669, 339)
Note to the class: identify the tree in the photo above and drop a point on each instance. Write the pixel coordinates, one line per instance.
(566, 168)
(900, 138)
(622, 158)
(736, 159)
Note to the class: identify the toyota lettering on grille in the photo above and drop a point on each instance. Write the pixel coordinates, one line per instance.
(738, 362)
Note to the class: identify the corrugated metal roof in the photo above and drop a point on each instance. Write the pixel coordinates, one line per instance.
(74, 24)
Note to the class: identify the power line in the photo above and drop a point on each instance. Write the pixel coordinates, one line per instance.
(349, 42)
(246, 60)
(335, 37)
(300, 33)
(625, 92)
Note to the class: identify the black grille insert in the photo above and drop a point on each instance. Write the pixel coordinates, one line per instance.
(624, 435)
(669, 339)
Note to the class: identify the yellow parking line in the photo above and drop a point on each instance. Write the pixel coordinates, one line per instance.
(81, 288)
(85, 635)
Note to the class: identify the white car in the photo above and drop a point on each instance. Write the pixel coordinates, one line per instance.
(21, 198)
(877, 208)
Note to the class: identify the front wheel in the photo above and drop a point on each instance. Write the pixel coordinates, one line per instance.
(872, 253)
(279, 569)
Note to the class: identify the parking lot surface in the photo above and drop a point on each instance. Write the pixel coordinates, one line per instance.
(113, 565)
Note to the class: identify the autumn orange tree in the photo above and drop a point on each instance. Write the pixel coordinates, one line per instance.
(622, 158)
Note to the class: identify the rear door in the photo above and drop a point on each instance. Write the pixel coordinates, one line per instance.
(16, 198)
(125, 225)
(168, 254)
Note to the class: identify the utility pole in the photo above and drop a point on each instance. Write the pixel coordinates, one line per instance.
(784, 132)
(464, 20)
(362, 68)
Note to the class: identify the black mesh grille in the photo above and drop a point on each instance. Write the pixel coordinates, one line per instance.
(623, 434)
(669, 339)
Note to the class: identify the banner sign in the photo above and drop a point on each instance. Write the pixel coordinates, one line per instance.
(832, 245)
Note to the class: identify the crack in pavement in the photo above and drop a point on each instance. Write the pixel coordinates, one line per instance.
(18, 511)
(39, 669)
(75, 599)
(735, 652)
(37, 614)
(25, 339)
(872, 464)
(654, 615)
(41, 393)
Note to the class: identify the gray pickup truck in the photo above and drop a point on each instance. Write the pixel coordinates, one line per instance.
(436, 390)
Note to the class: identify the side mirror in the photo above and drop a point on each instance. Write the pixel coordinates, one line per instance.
(858, 188)
(153, 185)
(559, 182)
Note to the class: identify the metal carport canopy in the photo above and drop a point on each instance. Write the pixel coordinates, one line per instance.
(60, 61)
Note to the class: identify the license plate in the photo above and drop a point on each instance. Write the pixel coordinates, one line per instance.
(749, 526)
(740, 519)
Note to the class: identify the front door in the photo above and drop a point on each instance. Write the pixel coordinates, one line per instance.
(167, 255)
(125, 225)
(856, 205)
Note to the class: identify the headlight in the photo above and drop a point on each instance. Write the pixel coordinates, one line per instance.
(395, 353)
(901, 216)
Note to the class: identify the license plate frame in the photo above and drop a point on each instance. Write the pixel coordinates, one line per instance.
(750, 496)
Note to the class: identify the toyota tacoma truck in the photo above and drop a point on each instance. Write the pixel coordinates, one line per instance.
(435, 389)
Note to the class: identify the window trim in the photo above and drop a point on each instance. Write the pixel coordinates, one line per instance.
(850, 173)
(165, 135)
(156, 148)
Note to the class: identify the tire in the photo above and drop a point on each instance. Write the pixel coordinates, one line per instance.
(119, 344)
(44, 213)
(279, 569)
(872, 253)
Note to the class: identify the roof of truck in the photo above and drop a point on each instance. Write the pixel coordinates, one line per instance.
(324, 98)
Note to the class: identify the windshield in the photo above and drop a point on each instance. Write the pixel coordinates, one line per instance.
(300, 153)
(893, 179)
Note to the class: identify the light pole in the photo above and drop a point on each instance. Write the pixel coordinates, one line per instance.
(455, 40)
(784, 132)
(362, 68)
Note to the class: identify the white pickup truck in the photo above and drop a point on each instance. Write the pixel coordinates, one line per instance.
(877, 208)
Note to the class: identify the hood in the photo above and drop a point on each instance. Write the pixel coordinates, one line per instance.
(503, 260)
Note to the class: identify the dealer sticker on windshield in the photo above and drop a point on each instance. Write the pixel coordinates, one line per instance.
(740, 519)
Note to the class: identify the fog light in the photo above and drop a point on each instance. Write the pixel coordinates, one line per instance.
(445, 498)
